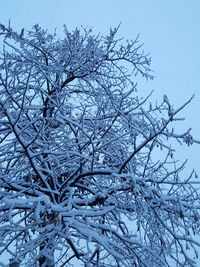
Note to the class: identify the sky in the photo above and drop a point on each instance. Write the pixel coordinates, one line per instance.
(169, 30)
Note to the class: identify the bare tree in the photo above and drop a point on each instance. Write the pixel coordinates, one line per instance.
(88, 176)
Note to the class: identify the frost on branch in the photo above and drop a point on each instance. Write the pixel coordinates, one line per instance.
(88, 176)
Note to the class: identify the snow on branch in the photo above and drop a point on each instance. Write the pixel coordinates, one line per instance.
(88, 175)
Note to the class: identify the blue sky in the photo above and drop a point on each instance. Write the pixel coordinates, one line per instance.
(168, 28)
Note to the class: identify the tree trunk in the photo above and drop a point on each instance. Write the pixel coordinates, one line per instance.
(44, 260)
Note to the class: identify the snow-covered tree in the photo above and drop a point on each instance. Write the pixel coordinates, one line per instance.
(88, 175)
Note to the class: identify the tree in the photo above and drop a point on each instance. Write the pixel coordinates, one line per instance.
(88, 176)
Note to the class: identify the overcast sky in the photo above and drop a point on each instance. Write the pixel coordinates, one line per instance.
(169, 30)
